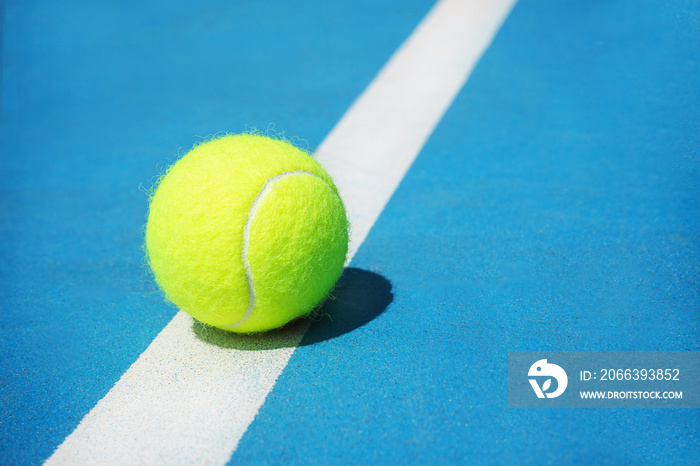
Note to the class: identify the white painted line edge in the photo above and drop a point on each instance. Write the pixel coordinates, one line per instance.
(372, 147)
(192, 394)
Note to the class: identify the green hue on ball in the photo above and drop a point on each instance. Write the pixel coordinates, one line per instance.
(246, 233)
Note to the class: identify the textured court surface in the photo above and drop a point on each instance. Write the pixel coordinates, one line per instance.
(555, 207)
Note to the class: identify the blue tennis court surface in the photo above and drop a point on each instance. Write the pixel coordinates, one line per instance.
(556, 206)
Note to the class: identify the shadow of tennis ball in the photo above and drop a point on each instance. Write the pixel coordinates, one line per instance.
(359, 297)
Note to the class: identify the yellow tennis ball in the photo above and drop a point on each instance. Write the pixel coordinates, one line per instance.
(246, 233)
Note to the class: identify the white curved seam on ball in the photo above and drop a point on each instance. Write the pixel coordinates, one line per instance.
(267, 187)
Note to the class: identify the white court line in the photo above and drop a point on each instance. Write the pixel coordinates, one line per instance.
(186, 401)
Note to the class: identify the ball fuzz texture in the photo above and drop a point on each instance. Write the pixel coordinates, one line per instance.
(246, 233)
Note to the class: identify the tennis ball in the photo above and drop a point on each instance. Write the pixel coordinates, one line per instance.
(246, 233)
